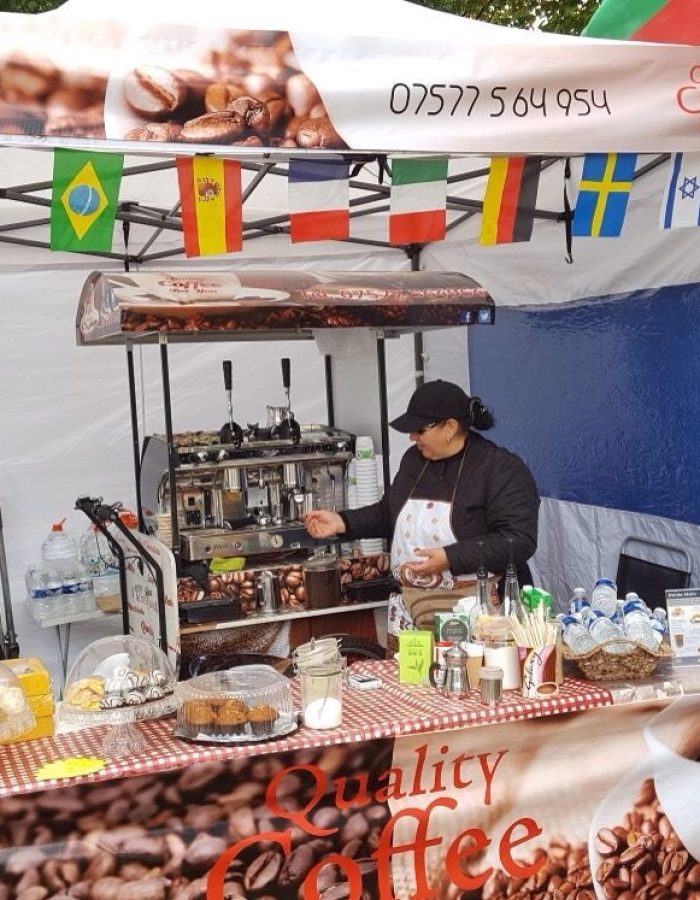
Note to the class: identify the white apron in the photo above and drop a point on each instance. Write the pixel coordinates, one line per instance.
(422, 524)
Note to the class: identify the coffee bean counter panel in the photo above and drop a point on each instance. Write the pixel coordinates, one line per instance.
(415, 795)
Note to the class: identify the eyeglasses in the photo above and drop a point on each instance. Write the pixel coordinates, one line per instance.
(427, 427)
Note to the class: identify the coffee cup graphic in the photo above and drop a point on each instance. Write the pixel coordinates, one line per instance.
(673, 739)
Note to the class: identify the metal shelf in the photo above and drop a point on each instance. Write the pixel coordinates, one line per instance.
(281, 617)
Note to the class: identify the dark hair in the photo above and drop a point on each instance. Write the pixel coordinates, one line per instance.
(480, 417)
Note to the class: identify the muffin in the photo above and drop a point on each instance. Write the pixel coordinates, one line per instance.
(262, 720)
(231, 718)
(197, 717)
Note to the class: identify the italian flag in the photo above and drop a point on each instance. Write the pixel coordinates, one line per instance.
(663, 21)
(418, 200)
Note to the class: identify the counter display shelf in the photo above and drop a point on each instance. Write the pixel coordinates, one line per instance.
(414, 795)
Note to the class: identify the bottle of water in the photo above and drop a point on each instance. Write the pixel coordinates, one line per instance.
(603, 629)
(60, 555)
(575, 635)
(604, 597)
(578, 601)
(637, 622)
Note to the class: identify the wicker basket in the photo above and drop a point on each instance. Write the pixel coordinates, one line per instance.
(601, 665)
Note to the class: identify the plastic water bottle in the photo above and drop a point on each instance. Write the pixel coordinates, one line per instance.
(60, 555)
(604, 597)
(575, 635)
(637, 622)
(579, 601)
(603, 629)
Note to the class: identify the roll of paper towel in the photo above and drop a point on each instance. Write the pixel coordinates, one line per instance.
(506, 658)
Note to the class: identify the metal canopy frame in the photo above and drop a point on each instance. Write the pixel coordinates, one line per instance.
(373, 198)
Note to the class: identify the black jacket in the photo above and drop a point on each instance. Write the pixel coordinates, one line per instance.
(495, 499)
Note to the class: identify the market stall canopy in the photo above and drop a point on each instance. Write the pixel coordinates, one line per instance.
(364, 78)
(281, 303)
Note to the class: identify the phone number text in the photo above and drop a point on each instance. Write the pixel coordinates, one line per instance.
(469, 99)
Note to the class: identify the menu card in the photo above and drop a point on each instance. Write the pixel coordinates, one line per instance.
(683, 605)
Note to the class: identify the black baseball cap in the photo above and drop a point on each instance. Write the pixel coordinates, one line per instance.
(432, 402)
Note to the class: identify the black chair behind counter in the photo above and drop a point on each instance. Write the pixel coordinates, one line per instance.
(650, 568)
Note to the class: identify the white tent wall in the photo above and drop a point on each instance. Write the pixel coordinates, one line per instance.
(64, 409)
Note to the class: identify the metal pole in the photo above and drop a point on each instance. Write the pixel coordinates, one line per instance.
(167, 410)
(135, 441)
(330, 405)
(9, 639)
(414, 251)
(383, 408)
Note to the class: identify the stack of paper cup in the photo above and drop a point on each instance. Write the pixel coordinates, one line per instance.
(165, 529)
(352, 486)
(367, 485)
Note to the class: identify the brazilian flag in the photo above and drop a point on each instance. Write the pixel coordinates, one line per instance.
(84, 200)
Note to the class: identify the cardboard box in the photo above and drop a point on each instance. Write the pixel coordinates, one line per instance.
(415, 656)
(33, 675)
(452, 626)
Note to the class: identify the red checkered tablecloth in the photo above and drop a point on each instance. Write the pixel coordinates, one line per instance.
(392, 711)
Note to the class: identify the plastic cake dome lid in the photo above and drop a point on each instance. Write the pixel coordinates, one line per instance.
(241, 680)
(123, 678)
(16, 716)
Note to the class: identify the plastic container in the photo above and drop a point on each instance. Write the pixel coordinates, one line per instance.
(103, 566)
(322, 581)
(16, 717)
(246, 703)
(118, 681)
(69, 587)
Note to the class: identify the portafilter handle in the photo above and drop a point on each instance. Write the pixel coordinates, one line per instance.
(234, 431)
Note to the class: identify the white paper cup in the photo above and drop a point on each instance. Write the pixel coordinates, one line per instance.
(673, 738)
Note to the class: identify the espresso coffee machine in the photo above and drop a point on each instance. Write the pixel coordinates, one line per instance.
(244, 491)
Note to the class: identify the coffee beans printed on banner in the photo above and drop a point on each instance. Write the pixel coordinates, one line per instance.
(251, 93)
(39, 98)
(157, 837)
(641, 858)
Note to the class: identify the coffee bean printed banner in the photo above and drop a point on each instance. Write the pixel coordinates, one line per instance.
(419, 81)
(591, 805)
(117, 307)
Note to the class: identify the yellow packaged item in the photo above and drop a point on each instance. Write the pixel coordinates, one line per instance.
(44, 728)
(41, 705)
(32, 675)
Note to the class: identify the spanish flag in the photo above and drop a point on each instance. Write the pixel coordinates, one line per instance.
(509, 203)
(210, 195)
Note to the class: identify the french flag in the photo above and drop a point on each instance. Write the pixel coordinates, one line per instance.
(319, 200)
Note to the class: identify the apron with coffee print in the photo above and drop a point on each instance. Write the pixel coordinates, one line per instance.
(424, 524)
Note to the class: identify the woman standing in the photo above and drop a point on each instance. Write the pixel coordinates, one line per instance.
(456, 501)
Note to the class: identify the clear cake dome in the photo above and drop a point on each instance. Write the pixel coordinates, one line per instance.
(117, 680)
(246, 703)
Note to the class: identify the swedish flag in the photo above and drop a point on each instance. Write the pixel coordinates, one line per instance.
(603, 194)
(84, 200)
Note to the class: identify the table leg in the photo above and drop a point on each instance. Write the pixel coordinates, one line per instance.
(63, 650)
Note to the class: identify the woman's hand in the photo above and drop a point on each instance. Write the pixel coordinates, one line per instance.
(435, 562)
(323, 523)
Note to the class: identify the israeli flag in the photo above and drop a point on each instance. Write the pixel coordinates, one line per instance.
(681, 203)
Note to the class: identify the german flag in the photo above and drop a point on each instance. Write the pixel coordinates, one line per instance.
(210, 195)
(509, 202)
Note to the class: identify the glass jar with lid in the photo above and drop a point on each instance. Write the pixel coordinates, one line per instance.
(322, 581)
